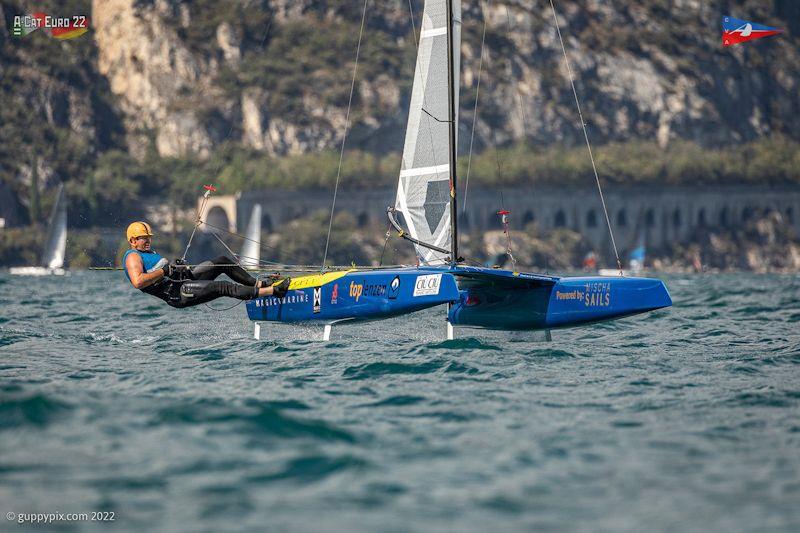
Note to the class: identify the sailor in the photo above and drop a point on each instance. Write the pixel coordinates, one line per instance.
(181, 286)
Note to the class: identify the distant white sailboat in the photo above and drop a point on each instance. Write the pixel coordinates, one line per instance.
(56, 244)
(250, 256)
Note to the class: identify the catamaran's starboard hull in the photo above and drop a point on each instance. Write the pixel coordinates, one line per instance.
(496, 299)
(356, 295)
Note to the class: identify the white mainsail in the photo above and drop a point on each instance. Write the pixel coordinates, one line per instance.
(251, 249)
(423, 192)
(56, 246)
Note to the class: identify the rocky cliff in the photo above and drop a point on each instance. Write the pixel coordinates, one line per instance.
(275, 75)
(160, 79)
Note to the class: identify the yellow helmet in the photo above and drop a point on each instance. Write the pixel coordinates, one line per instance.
(138, 229)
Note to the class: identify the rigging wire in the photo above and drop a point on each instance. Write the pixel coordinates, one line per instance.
(385, 242)
(484, 8)
(521, 110)
(516, 83)
(586, 136)
(197, 222)
(202, 207)
(344, 136)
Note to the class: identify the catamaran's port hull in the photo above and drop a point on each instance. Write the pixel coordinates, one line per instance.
(356, 295)
(507, 301)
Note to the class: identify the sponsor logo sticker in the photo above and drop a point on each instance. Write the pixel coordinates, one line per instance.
(427, 285)
(365, 289)
(335, 294)
(394, 288)
(355, 290)
(317, 299)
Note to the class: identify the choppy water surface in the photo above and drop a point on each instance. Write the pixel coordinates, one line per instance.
(686, 418)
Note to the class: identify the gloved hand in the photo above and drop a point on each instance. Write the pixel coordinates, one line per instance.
(158, 266)
(173, 271)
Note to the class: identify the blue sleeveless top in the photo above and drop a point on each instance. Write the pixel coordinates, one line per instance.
(148, 258)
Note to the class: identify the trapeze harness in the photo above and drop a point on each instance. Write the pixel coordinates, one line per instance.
(198, 285)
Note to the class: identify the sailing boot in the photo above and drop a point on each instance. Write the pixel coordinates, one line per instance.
(279, 290)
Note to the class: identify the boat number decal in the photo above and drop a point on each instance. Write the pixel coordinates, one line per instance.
(427, 285)
(317, 299)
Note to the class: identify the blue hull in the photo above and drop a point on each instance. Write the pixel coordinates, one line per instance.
(500, 299)
(356, 295)
(481, 297)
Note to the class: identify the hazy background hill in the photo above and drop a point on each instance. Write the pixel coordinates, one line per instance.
(162, 95)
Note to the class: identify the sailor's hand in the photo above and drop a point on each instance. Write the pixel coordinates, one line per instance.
(159, 266)
(174, 271)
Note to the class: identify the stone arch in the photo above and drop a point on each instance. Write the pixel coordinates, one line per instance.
(723, 217)
(219, 211)
(650, 218)
(528, 217)
(622, 218)
(591, 219)
(560, 219)
(266, 223)
(217, 217)
(676, 218)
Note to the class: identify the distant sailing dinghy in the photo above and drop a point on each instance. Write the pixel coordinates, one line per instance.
(56, 244)
(635, 261)
(250, 257)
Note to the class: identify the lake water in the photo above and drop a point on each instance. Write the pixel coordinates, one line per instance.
(682, 419)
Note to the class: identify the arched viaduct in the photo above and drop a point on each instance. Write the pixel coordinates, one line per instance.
(665, 215)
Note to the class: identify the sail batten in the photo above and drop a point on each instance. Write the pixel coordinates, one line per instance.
(423, 192)
(425, 171)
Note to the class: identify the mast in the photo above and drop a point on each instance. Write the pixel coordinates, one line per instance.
(452, 101)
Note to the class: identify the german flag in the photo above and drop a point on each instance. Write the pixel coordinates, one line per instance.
(76, 29)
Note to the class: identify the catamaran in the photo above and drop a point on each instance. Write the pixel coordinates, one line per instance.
(55, 245)
(425, 213)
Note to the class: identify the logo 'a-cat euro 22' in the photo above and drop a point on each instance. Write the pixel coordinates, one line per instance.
(735, 31)
(427, 285)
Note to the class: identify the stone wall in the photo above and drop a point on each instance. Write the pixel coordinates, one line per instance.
(663, 215)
